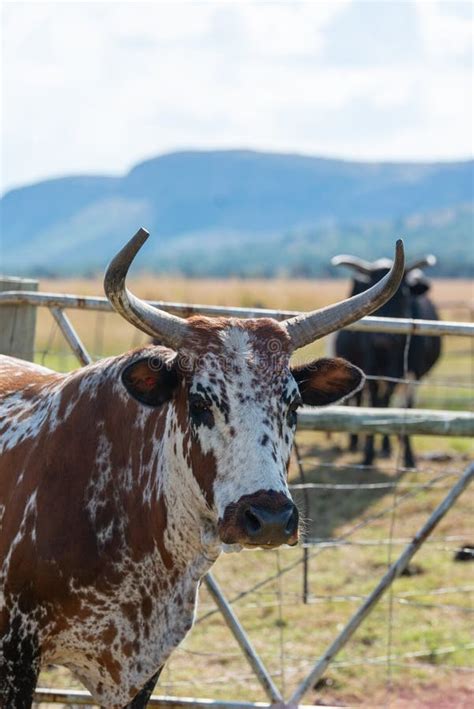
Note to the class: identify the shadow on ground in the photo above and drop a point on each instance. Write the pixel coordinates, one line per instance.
(327, 510)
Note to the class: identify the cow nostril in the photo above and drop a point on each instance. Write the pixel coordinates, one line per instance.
(268, 525)
(292, 524)
(252, 522)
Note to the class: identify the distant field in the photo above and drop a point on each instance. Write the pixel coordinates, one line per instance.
(430, 611)
(275, 293)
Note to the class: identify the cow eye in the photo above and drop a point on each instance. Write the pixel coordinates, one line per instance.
(200, 411)
(292, 409)
(197, 405)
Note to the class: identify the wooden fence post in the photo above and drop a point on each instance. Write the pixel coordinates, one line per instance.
(17, 322)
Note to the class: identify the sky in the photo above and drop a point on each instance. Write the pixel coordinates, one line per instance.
(95, 87)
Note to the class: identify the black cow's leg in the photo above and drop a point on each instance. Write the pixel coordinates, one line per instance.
(142, 698)
(353, 442)
(386, 447)
(369, 451)
(354, 438)
(384, 402)
(408, 456)
(19, 667)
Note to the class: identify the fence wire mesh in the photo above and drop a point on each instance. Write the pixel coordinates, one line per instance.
(293, 602)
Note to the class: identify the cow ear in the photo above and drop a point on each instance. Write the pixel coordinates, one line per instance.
(151, 380)
(327, 380)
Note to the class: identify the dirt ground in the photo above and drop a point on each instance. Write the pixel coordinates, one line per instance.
(458, 694)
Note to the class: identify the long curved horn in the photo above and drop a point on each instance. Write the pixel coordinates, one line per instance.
(169, 328)
(358, 264)
(428, 260)
(307, 327)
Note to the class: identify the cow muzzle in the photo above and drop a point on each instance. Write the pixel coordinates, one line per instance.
(265, 519)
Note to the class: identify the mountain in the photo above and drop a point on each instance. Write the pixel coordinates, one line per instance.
(241, 212)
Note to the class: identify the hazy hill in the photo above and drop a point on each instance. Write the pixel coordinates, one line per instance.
(223, 212)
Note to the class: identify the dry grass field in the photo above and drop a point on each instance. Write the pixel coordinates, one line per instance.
(424, 625)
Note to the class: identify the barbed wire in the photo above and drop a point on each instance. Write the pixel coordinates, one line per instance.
(372, 469)
(365, 486)
(418, 382)
(348, 599)
(293, 595)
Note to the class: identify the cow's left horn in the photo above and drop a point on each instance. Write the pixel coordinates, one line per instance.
(428, 260)
(169, 328)
(307, 327)
(358, 264)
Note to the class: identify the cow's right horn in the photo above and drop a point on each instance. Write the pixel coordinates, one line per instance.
(358, 264)
(307, 327)
(169, 328)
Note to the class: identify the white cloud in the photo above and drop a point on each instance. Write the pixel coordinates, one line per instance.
(97, 87)
(446, 30)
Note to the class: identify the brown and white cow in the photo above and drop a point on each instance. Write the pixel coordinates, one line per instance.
(121, 482)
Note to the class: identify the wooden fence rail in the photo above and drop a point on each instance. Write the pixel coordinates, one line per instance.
(368, 324)
(413, 422)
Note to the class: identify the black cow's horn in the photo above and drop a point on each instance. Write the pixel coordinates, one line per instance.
(307, 327)
(354, 262)
(428, 260)
(169, 328)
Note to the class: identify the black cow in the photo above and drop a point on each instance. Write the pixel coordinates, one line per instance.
(383, 354)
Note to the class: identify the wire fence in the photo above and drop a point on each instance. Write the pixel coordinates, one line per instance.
(355, 518)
